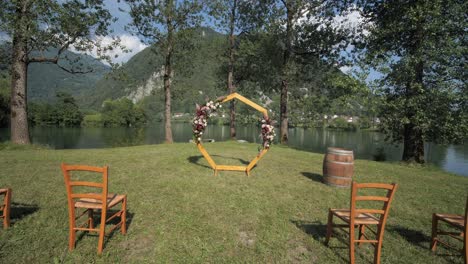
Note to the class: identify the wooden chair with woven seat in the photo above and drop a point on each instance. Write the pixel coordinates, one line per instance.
(90, 201)
(362, 218)
(454, 221)
(5, 207)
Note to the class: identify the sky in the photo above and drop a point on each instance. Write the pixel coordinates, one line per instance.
(132, 43)
(135, 45)
(352, 19)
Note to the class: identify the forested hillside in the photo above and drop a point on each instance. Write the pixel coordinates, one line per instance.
(200, 73)
(46, 80)
(197, 68)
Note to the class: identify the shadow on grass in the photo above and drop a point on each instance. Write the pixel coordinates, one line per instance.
(318, 231)
(313, 176)
(423, 241)
(110, 224)
(21, 210)
(315, 229)
(414, 237)
(196, 160)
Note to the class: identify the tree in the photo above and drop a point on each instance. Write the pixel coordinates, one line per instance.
(122, 112)
(421, 46)
(4, 100)
(163, 23)
(234, 17)
(64, 112)
(227, 14)
(291, 41)
(69, 113)
(38, 26)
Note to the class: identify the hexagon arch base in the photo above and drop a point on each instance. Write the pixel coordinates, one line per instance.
(252, 163)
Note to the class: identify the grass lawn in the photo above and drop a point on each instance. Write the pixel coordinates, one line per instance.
(179, 212)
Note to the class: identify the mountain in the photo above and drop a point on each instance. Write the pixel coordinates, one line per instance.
(46, 79)
(195, 69)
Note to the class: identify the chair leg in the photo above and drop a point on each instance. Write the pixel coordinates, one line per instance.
(71, 234)
(123, 217)
(102, 231)
(465, 247)
(434, 232)
(6, 209)
(362, 229)
(329, 227)
(351, 244)
(378, 252)
(90, 218)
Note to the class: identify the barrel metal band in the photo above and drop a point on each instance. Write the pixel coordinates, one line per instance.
(340, 162)
(340, 177)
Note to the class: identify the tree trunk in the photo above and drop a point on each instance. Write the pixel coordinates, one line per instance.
(19, 76)
(413, 143)
(167, 80)
(284, 82)
(232, 109)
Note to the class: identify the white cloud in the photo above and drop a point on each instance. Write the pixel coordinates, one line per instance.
(131, 43)
(346, 69)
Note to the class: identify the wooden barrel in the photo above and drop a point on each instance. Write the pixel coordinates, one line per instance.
(338, 167)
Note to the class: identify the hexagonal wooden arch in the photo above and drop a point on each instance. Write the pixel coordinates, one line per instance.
(249, 167)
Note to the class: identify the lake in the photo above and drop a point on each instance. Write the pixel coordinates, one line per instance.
(365, 144)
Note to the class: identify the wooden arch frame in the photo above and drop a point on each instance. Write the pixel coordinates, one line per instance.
(252, 163)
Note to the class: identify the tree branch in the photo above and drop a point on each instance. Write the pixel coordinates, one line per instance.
(55, 60)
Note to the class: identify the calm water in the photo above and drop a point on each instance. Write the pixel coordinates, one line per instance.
(364, 144)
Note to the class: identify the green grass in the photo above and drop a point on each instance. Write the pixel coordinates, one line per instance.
(179, 212)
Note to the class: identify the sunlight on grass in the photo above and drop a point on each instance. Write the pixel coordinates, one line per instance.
(179, 212)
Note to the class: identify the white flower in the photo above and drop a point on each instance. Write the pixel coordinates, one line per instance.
(201, 133)
(199, 139)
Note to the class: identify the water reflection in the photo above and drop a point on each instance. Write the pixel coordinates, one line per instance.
(365, 144)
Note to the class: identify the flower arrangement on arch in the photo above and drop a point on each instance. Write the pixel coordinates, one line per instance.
(200, 121)
(268, 132)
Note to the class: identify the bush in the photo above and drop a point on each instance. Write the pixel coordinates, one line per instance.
(122, 112)
(341, 123)
(93, 120)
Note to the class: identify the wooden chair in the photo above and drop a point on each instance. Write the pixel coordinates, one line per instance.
(90, 201)
(362, 218)
(5, 207)
(455, 221)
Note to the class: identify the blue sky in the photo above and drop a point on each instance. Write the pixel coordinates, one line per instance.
(134, 43)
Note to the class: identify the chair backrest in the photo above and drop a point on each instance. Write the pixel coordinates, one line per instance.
(380, 211)
(100, 187)
(466, 218)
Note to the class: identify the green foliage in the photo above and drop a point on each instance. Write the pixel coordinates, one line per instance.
(40, 89)
(46, 24)
(341, 123)
(92, 120)
(65, 112)
(122, 112)
(421, 47)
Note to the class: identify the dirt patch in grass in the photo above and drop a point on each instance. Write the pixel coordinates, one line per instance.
(299, 253)
(246, 239)
(137, 248)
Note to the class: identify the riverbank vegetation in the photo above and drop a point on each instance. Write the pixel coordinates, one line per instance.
(371, 62)
(180, 212)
